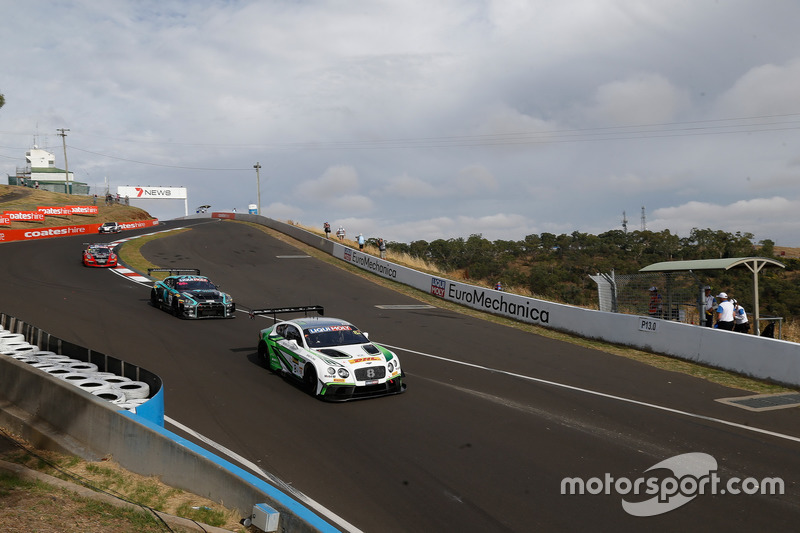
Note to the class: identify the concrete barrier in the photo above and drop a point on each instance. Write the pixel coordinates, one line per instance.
(758, 357)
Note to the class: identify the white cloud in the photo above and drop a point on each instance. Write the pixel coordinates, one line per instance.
(764, 90)
(335, 182)
(762, 217)
(645, 98)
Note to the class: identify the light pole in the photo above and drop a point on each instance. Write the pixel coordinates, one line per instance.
(257, 166)
(63, 135)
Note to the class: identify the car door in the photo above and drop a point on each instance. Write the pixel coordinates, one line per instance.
(292, 346)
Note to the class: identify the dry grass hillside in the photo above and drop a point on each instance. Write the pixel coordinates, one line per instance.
(19, 198)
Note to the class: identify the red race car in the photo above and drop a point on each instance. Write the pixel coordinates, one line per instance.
(99, 255)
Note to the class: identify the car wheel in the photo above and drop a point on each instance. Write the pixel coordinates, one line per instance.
(263, 354)
(153, 298)
(310, 379)
(176, 309)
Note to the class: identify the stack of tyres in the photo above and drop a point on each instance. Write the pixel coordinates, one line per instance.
(119, 390)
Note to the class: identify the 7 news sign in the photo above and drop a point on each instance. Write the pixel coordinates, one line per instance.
(163, 193)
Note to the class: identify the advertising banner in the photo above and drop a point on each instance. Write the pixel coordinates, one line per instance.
(5, 221)
(83, 209)
(150, 193)
(51, 211)
(8, 235)
(24, 216)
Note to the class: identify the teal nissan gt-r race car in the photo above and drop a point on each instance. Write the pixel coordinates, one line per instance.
(329, 357)
(190, 295)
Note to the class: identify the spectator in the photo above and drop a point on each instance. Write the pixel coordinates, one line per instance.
(327, 228)
(740, 323)
(724, 312)
(656, 303)
(498, 286)
(709, 306)
(382, 248)
(340, 233)
(360, 241)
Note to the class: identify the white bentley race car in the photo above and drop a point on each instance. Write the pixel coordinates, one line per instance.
(330, 357)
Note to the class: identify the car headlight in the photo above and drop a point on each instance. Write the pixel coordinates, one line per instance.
(343, 373)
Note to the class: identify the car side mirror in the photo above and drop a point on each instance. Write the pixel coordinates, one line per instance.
(293, 344)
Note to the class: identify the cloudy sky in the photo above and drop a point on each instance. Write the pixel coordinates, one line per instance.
(420, 119)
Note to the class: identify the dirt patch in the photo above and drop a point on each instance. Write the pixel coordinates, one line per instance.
(11, 194)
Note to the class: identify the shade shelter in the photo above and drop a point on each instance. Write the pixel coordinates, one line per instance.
(754, 264)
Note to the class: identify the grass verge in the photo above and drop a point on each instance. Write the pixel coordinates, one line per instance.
(94, 497)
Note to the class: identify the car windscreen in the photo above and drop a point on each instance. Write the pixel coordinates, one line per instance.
(195, 284)
(337, 335)
(99, 251)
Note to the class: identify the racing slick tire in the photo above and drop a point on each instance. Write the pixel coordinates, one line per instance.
(154, 298)
(310, 379)
(263, 355)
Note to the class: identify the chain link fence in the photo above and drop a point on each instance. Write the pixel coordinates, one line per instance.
(680, 295)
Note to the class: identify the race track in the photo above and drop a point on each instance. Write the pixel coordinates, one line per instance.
(492, 421)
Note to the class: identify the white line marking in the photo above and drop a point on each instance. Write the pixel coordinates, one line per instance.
(305, 500)
(605, 395)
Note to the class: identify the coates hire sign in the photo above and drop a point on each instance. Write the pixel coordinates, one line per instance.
(163, 193)
(23, 216)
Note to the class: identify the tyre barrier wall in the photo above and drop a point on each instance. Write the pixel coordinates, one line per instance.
(51, 413)
(136, 378)
(750, 355)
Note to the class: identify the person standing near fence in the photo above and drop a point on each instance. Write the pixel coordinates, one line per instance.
(740, 323)
(656, 307)
(724, 312)
(382, 248)
(709, 307)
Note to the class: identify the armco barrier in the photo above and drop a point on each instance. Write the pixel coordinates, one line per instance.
(750, 355)
(53, 414)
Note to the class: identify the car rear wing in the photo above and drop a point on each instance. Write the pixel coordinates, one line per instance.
(173, 270)
(279, 310)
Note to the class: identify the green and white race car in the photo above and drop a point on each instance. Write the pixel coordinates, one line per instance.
(331, 358)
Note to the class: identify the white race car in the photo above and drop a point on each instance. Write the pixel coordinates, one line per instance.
(109, 227)
(330, 357)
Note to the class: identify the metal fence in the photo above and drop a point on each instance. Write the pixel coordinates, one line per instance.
(680, 295)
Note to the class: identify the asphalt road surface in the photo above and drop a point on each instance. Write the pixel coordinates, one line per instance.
(493, 421)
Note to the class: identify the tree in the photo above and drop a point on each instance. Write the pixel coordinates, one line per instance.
(2, 100)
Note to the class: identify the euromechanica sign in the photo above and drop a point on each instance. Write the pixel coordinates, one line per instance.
(498, 302)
